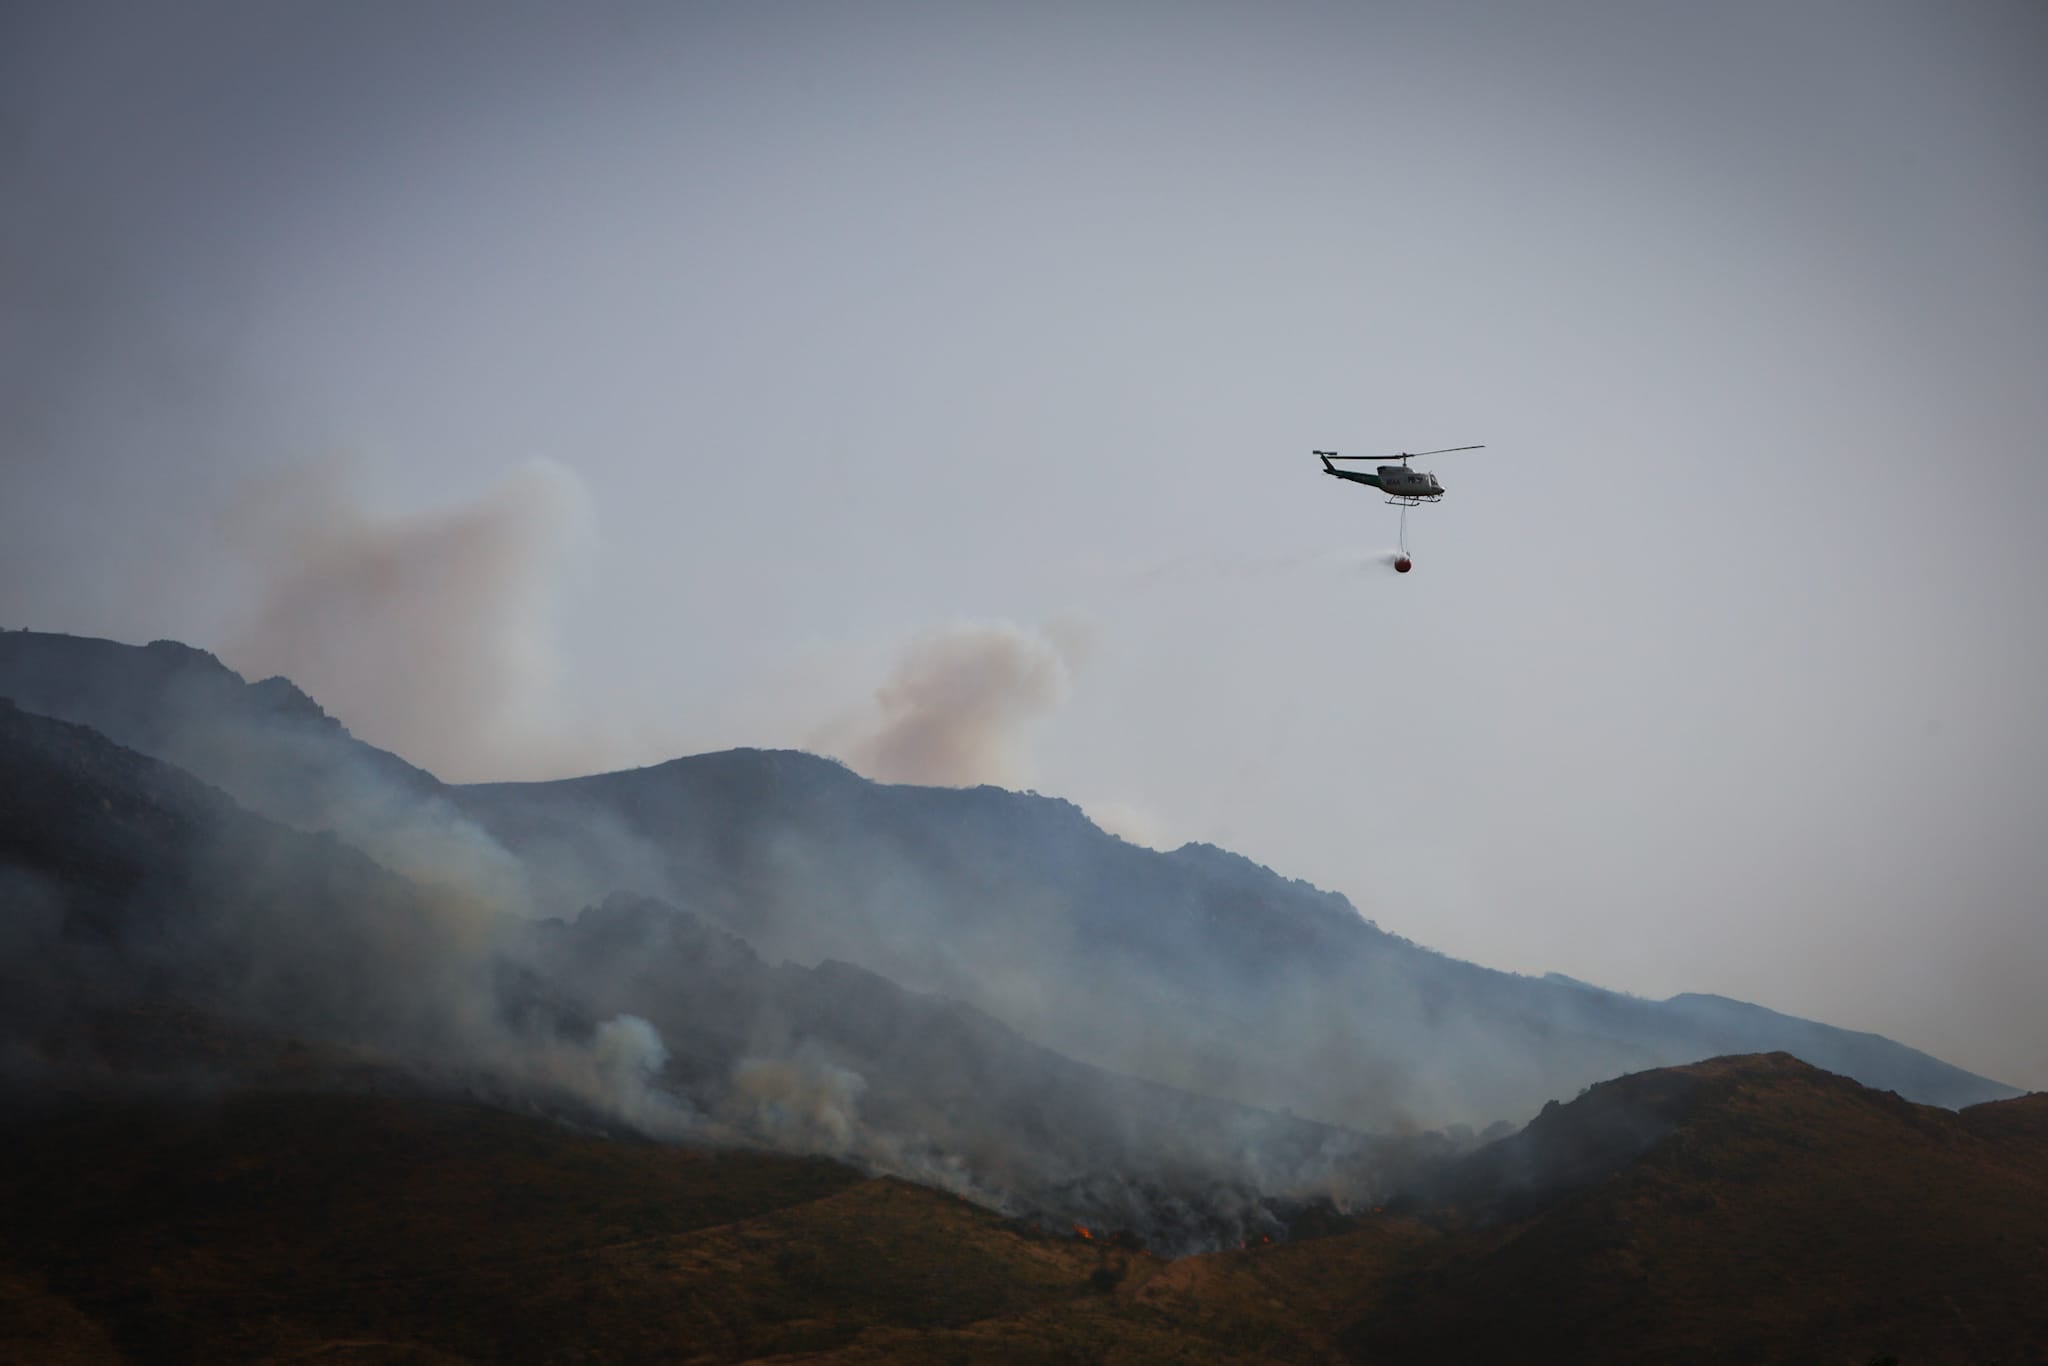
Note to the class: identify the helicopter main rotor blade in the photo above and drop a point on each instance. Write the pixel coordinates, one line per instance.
(1445, 450)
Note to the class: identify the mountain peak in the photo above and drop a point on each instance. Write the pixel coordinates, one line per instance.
(282, 697)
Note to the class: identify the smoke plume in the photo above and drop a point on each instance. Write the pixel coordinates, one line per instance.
(955, 711)
(801, 1103)
(614, 1073)
(431, 634)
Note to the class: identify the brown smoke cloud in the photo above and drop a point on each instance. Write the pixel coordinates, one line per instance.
(959, 709)
(955, 711)
(430, 634)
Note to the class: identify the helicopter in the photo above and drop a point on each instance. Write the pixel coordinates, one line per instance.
(1404, 487)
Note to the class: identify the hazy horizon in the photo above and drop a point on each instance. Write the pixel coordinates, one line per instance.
(551, 392)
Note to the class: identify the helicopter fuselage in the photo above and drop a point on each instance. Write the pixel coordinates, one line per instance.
(1396, 481)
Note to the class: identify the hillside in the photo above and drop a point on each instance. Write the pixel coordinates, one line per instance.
(267, 743)
(1787, 1215)
(1277, 994)
(840, 1060)
(128, 884)
(1195, 969)
(1781, 1214)
(263, 1096)
(363, 1227)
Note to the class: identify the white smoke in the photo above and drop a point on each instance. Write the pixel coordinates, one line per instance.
(802, 1103)
(614, 1073)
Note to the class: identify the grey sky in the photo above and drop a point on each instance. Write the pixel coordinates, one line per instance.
(700, 370)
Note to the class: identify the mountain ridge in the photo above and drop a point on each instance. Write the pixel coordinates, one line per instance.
(263, 1094)
(1196, 968)
(158, 931)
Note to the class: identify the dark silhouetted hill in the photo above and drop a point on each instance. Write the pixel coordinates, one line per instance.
(266, 744)
(122, 877)
(1773, 1212)
(1783, 1215)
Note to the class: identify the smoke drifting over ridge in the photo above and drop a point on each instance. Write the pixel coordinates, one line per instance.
(248, 937)
(269, 932)
(959, 707)
(974, 989)
(955, 711)
(431, 634)
(435, 634)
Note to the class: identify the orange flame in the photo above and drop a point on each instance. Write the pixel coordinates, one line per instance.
(1084, 1233)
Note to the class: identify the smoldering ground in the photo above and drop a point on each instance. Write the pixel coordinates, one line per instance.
(843, 1062)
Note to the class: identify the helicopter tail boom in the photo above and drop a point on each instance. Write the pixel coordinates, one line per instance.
(1356, 476)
